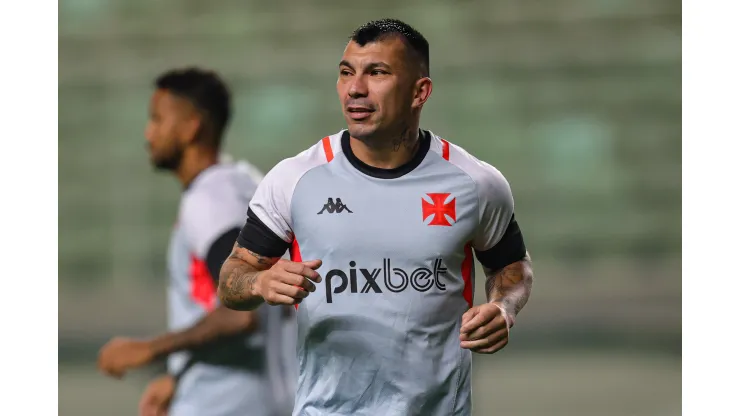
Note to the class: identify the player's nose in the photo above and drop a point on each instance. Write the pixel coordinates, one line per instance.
(149, 133)
(358, 88)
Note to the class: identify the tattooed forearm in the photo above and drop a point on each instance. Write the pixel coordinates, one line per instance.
(238, 253)
(238, 277)
(240, 282)
(236, 285)
(511, 285)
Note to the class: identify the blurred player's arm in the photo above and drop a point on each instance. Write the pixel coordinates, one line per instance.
(220, 322)
(122, 354)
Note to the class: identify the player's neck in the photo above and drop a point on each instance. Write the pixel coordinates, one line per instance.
(193, 163)
(388, 153)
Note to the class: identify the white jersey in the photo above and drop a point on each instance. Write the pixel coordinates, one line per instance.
(235, 376)
(381, 333)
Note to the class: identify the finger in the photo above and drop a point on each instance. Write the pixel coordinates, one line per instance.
(313, 264)
(301, 270)
(495, 348)
(278, 299)
(476, 344)
(298, 281)
(295, 292)
(494, 325)
(308, 285)
(479, 345)
(469, 314)
(476, 321)
(498, 336)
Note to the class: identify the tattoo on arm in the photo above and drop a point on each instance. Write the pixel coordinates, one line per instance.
(239, 276)
(240, 279)
(261, 259)
(511, 285)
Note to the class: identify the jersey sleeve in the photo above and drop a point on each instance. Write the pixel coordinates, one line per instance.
(268, 230)
(498, 240)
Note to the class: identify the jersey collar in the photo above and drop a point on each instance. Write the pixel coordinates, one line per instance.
(425, 140)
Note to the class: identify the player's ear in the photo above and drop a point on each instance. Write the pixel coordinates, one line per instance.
(422, 91)
(190, 129)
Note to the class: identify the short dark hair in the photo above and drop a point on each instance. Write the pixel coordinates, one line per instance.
(384, 28)
(206, 91)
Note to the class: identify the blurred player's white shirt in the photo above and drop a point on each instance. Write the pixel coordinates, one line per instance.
(241, 375)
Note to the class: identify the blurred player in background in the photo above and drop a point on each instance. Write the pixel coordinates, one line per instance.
(383, 219)
(218, 361)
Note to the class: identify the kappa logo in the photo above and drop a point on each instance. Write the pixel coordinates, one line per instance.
(439, 209)
(334, 207)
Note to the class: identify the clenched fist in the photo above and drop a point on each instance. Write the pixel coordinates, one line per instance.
(287, 282)
(485, 328)
(122, 354)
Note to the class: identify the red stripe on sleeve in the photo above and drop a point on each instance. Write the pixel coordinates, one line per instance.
(202, 287)
(327, 148)
(445, 149)
(467, 275)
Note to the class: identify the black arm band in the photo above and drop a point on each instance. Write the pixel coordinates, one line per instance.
(259, 238)
(509, 249)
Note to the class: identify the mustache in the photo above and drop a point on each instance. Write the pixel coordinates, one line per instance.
(359, 103)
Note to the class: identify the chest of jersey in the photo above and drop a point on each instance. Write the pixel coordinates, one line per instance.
(402, 237)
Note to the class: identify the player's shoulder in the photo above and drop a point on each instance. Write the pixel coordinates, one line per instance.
(224, 178)
(481, 172)
(292, 168)
(223, 190)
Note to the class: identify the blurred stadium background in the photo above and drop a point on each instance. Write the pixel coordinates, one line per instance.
(578, 102)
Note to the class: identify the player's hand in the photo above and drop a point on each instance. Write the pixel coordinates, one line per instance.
(485, 328)
(287, 282)
(157, 397)
(122, 354)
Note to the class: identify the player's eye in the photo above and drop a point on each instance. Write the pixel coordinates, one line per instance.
(378, 72)
(345, 73)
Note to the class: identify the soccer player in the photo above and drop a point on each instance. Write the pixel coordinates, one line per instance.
(382, 220)
(216, 356)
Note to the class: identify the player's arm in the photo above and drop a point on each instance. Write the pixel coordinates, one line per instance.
(499, 247)
(508, 269)
(255, 273)
(509, 287)
(220, 322)
(238, 277)
(122, 354)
